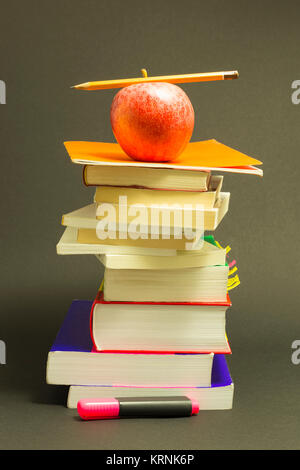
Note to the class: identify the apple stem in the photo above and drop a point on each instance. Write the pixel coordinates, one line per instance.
(144, 72)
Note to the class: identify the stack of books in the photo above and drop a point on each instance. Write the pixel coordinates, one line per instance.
(157, 324)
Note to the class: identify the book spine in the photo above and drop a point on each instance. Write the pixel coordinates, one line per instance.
(84, 179)
(91, 324)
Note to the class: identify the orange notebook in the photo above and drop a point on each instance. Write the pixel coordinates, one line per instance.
(206, 155)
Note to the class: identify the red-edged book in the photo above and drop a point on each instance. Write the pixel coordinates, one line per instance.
(164, 327)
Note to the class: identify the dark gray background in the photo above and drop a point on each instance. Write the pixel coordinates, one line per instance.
(46, 47)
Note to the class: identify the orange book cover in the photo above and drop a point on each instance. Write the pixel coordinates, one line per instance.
(206, 155)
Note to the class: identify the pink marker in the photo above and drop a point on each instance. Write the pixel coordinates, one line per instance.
(108, 408)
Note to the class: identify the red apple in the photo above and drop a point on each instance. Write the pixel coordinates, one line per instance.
(152, 121)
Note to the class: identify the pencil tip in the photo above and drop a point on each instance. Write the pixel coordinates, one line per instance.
(231, 75)
(81, 86)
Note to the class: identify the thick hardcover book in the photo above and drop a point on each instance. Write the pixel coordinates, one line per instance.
(173, 327)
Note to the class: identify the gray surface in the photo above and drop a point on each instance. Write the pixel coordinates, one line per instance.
(45, 48)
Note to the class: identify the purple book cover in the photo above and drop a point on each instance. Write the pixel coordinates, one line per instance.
(74, 335)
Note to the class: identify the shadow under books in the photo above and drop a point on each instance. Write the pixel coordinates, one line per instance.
(50, 395)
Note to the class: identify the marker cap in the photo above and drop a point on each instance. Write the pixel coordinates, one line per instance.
(102, 407)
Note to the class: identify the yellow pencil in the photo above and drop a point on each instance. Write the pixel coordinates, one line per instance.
(186, 78)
